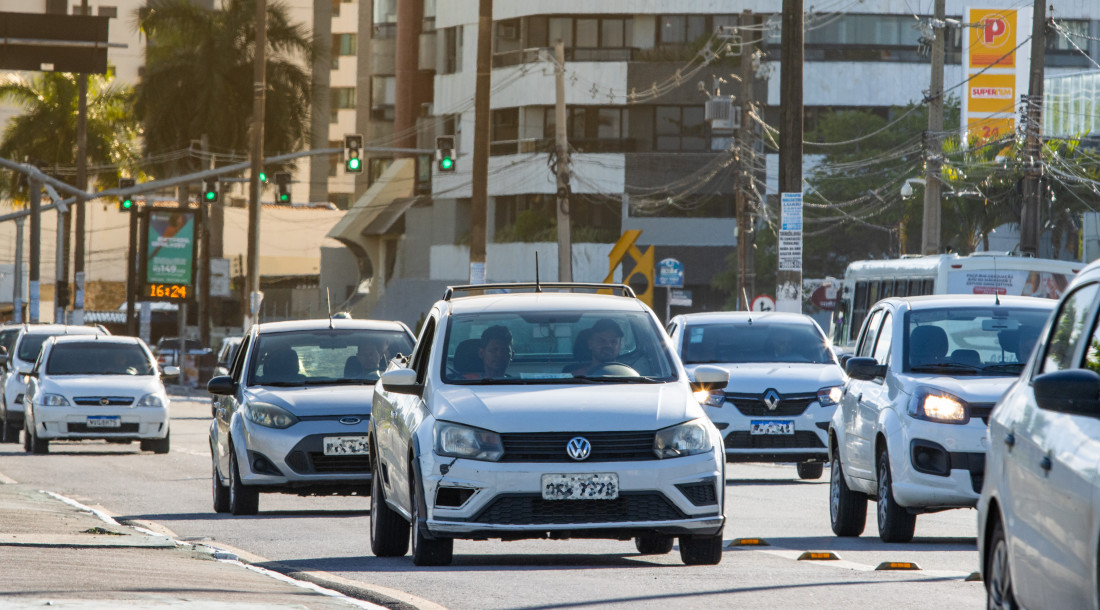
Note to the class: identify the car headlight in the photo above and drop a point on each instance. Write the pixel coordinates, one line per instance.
(938, 406)
(54, 400)
(828, 397)
(456, 440)
(151, 400)
(710, 398)
(690, 438)
(269, 416)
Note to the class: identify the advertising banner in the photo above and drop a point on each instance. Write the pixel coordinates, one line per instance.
(996, 69)
(1008, 282)
(789, 272)
(169, 254)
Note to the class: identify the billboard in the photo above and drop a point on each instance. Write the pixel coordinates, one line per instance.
(168, 255)
(995, 57)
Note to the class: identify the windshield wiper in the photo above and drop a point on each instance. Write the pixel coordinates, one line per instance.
(618, 379)
(1005, 367)
(956, 367)
(283, 384)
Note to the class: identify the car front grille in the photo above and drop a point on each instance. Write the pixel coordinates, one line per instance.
(316, 462)
(982, 410)
(531, 509)
(606, 446)
(803, 439)
(84, 429)
(789, 405)
(111, 401)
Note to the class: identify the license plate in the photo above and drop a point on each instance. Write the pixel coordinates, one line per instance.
(346, 445)
(580, 486)
(103, 421)
(771, 426)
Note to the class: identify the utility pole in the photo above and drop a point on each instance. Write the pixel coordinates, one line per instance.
(1033, 163)
(746, 161)
(252, 304)
(132, 273)
(17, 297)
(565, 238)
(60, 258)
(789, 273)
(82, 184)
(203, 233)
(930, 236)
(479, 204)
(36, 247)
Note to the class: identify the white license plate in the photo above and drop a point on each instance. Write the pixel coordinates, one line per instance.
(104, 421)
(346, 445)
(580, 486)
(771, 426)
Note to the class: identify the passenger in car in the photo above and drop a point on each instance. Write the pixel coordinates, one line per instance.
(495, 351)
(368, 361)
(603, 343)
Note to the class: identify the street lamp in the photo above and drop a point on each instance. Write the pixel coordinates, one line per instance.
(907, 188)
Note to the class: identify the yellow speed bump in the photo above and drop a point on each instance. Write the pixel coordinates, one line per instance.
(974, 577)
(818, 556)
(749, 542)
(897, 565)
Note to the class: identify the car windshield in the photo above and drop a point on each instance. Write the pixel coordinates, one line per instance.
(7, 337)
(324, 356)
(172, 344)
(972, 340)
(754, 342)
(94, 358)
(555, 347)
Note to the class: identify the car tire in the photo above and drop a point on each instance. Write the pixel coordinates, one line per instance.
(847, 508)
(701, 550)
(33, 443)
(895, 523)
(221, 492)
(425, 552)
(8, 432)
(998, 574)
(26, 438)
(389, 532)
(653, 544)
(810, 470)
(243, 500)
(157, 445)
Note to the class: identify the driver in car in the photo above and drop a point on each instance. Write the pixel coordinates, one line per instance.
(604, 343)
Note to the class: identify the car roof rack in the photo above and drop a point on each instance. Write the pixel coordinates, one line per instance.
(627, 291)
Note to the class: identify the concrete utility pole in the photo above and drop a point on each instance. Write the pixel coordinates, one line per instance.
(747, 164)
(131, 276)
(565, 238)
(60, 257)
(252, 304)
(36, 248)
(479, 204)
(318, 119)
(790, 95)
(930, 236)
(17, 297)
(1033, 163)
(82, 184)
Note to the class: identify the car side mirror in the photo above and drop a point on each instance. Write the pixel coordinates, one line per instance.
(170, 371)
(222, 386)
(864, 369)
(1072, 391)
(844, 358)
(710, 378)
(401, 381)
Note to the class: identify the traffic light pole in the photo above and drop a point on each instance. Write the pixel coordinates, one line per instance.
(131, 275)
(479, 195)
(36, 248)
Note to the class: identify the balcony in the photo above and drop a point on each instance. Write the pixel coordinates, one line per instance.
(538, 54)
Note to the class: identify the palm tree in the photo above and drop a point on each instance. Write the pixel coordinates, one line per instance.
(199, 74)
(45, 134)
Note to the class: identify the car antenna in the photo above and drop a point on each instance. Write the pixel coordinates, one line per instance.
(538, 288)
(328, 304)
(996, 293)
(748, 308)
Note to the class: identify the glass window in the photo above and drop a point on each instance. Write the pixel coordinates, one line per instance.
(342, 97)
(680, 128)
(383, 91)
(561, 28)
(744, 342)
(610, 120)
(1068, 328)
(344, 44)
(505, 125)
(588, 33)
(673, 29)
(324, 357)
(972, 339)
(885, 336)
(866, 347)
(612, 33)
(99, 358)
(385, 11)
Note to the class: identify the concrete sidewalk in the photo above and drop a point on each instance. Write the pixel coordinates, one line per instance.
(56, 552)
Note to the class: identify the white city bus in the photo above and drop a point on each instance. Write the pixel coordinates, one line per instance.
(865, 282)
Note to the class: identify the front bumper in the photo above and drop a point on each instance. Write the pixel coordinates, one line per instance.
(809, 442)
(294, 457)
(918, 486)
(72, 423)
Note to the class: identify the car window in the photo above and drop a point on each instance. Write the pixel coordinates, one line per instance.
(971, 339)
(419, 360)
(31, 344)
(885, 337)
(7, 338)
(754, 342)
(866, 347)
(238, 359)
(1068, 328)
(98, 359)
(323, 356)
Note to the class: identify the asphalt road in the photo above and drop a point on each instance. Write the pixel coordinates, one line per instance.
(171, 493)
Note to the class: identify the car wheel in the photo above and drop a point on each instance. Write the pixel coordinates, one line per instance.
(847, 508)
(895, 523)
(425, 552)
(221, 492)
(701, 550)
(26, 438)
(998, 577)
(243, 500)
(8, 432)
(389, 532)
(653, 544)
(157, 445)
(810, 470)
(33, 443)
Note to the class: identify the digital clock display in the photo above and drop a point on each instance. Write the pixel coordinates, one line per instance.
(167, 291)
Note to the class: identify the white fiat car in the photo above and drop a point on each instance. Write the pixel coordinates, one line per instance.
(910, 430)
(96, 387)
(785, 383)
(544, 415)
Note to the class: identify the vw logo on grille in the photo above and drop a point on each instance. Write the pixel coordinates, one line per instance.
(350, 421)
(771, 400)
(104, 401)
(579, 448)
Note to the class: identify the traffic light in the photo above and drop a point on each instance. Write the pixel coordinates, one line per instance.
(263, 177)
(210, 190)
(125, 202)
(445, 153)
(353, 144)
(282, 181)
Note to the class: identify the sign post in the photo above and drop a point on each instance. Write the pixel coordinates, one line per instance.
(670, 274)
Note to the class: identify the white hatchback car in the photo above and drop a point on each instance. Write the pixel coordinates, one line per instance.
(96, 387)
(910, 430)
(784, 384)
(545, 415)
(1039, 512)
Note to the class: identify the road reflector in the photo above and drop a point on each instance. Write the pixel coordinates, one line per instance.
(897, 565)
(818, 556)
(974, 577)
(749, 542)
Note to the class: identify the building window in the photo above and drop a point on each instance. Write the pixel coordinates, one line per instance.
(429, 15)
(383, 97)
(561, 28)
(108, 11)
(340, 98)
(450, 50)
(680, 29)
(385, 18)
(341, 200)
(344, 44)
(505, 125)
(680, 128)
(335, 161)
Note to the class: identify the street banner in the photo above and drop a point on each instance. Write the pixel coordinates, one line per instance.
(997, 71)
(789, 271)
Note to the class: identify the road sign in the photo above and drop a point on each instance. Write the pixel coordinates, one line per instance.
(680, 298)
(763, 302)
(670, 273)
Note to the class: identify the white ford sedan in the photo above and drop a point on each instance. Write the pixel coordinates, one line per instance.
(96, 387)
(544, 415)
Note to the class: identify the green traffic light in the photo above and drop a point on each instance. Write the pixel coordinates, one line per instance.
(284, 197)
(354, 164)
(211, 195)
(263, 177)
(446, 163)
(127, 204)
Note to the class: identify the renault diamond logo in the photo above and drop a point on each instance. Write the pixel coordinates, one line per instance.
(579, 448)
(104, 401)
(771, 400)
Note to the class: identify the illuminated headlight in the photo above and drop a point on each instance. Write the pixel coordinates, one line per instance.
(456, 440)
(269, 416)
(54, 400)
(690, 438)
(151, 400)
(710, 398)
(937, 406)
(828, 397)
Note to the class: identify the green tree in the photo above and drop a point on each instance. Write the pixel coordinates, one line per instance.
(199, 75)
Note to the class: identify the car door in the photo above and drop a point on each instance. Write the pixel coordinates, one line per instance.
(1050, 504)
(857, 463)
(876, 396)
(228, 404)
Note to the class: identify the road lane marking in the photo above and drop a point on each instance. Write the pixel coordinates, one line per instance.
(846, 564)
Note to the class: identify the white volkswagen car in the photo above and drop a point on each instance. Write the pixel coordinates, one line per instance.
(785, 383)
(544, 415)
(1039, 513)
(910, 431)
(96, 387)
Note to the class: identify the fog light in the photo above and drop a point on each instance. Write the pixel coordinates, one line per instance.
(930, 458)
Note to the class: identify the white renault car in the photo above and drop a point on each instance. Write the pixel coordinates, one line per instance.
(544, 414)
(910, 430)
(96, 387)
(785, 383)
